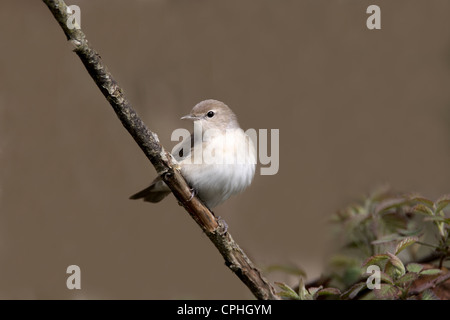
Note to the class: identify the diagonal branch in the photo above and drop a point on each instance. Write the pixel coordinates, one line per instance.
(430, 284)
(163, 162)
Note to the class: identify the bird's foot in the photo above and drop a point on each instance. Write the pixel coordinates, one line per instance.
(223, 226)
(193, 194)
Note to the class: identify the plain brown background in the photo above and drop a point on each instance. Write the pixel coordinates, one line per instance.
(355, 109)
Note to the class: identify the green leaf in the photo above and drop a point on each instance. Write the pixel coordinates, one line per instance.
(287, 291)
(431, 272)
(407, 278)
(384, 277)
(395, 220)
(387, 292)
(442, 203)
(394, 267)
(418, 232)
(302, 292)
(422, 200)
(354, 290)
(414, 267)
(405, 243)
(388, 204)
(421, 209)
(378, 259)
(351, 275)
(388, 238)
(313, 290)
(326, 292)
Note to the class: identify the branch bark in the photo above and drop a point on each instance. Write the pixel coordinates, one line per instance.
(430, 284)
(165, 165)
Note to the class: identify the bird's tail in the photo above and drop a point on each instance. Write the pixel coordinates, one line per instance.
(157, 191)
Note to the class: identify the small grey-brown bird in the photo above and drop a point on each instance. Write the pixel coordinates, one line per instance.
(216, 165)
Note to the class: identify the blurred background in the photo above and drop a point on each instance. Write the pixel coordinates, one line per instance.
(355, 108)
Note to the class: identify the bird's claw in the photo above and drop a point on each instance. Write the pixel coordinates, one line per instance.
(223, 226)
(193, 194)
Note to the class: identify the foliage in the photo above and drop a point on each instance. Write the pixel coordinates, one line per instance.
(395, 247)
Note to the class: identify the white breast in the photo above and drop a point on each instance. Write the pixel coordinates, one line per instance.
(227, 167)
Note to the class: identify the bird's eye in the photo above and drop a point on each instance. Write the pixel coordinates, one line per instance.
(210, 114)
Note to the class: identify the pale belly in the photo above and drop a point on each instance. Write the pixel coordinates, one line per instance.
(214, 181)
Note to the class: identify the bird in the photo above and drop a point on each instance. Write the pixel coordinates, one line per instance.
(218, 164)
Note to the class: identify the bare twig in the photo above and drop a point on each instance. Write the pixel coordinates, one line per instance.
(163, 162)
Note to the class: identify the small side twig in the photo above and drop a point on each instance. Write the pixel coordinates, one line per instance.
(163, 162)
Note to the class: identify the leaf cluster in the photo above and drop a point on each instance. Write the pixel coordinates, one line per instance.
(391, 244)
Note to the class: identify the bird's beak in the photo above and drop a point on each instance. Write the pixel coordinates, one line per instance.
(189, 117)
